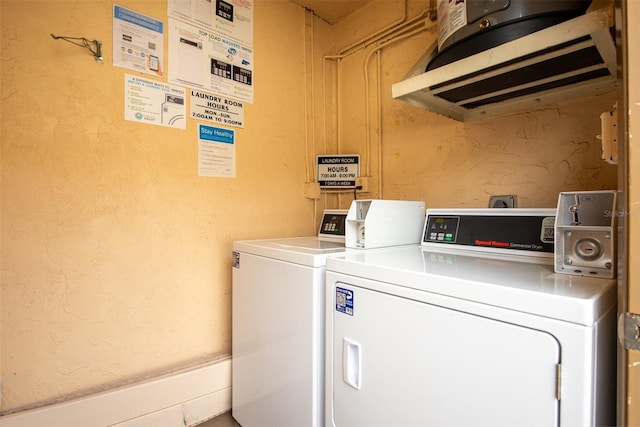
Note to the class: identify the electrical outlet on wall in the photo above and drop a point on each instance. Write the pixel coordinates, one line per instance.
(506, 201)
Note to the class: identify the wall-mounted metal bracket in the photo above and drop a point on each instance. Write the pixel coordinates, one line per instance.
(93, 46)
(629, 331)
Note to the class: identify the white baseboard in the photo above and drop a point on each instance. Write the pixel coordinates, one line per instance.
(180, 399)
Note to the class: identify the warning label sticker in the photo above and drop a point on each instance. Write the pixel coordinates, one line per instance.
(344, 301)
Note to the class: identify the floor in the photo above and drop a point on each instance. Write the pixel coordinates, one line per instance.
(224, 420)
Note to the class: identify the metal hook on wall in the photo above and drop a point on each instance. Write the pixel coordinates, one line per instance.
(93, 46)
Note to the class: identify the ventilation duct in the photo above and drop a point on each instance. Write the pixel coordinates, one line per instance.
(574, 58)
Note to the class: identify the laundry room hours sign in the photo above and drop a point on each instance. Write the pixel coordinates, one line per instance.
(338, 171)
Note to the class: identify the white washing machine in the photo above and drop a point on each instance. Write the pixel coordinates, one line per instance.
(472, 328)
(278, 326)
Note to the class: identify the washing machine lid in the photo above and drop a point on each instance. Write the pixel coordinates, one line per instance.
(520, 283)
(312, 251)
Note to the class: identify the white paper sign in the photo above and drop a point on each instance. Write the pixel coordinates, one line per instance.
(216, 109)
(216, 152)
(230, 18)
(138, 42)
(155, 103)
(205, 60)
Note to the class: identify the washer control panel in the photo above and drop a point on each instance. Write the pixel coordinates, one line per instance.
(333, 223)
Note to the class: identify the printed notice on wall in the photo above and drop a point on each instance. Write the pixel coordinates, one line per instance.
(338, 171)
(216, 152)
(216, 109)
(138, 42)
(154, 103)
(205, 60)
(230, 18)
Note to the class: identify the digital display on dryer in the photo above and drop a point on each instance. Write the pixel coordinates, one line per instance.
(443, 229)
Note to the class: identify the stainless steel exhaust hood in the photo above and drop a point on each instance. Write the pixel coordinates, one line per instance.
(574, 58)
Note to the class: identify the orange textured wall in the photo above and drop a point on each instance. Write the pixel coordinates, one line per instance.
(115, 254)
(424, 156)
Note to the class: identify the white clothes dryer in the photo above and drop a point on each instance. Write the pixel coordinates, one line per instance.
(472, 328)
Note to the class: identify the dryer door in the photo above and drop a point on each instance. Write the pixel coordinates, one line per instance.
(406, 363)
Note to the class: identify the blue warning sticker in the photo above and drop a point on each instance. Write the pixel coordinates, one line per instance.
(344, 301)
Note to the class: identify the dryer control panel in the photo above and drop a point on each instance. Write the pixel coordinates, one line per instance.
(530, 230)
(442, 229)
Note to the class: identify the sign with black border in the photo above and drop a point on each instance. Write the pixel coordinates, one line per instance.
(338, 170)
